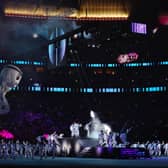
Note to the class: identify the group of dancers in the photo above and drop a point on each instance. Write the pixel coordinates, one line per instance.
(10, 149)
(24, 149)
(155, 148)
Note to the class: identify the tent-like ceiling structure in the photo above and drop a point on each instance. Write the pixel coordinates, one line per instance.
(84, 9)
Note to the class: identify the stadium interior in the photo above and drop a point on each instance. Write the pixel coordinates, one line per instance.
(68, 51)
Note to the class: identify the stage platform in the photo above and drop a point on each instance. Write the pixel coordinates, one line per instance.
(89, 148)
(84, 142)
(68, 162)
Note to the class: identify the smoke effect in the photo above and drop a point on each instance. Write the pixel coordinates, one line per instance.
(17, 36)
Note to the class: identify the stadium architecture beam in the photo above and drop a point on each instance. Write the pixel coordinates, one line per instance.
(68, 34)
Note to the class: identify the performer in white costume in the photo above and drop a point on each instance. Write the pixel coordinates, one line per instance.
(165, 147)
(102, 138)
(74, 128)
(10, 77)
(158, 149)
(112, 139)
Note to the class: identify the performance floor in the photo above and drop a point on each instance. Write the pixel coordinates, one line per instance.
(161, 162)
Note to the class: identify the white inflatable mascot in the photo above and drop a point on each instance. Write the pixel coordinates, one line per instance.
(10, 77)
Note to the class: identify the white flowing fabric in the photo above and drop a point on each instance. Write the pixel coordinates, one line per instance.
(94, 127)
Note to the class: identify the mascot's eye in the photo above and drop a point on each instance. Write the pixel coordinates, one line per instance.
(17, 78)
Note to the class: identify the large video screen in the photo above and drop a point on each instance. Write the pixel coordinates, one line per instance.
(139, 28)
